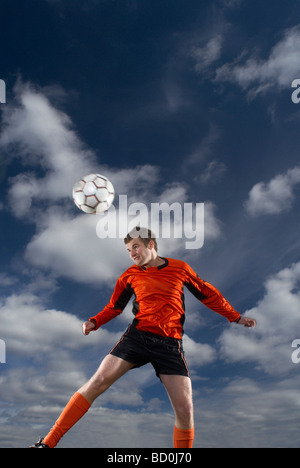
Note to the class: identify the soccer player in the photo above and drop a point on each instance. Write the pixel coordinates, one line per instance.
(155, 335)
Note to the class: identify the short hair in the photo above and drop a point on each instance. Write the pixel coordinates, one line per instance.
(146, 235)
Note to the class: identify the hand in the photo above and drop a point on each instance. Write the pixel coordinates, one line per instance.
(247, 322)
(87, 327)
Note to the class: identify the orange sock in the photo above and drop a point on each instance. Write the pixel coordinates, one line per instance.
(75, 409)
(183, 438)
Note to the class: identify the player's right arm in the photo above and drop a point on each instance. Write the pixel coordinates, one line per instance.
(119, 300)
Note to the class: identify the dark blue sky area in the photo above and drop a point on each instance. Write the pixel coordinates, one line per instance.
(117, 59)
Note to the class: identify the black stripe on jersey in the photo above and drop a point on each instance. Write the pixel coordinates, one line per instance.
(124, 297)
(195, 291)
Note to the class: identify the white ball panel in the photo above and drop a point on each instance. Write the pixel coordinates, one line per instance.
(100, 182)
(110, 187)
(89, 188)
(89, 178)
(79, 198)
(102, 194)
(91, 201)
(87, 209)
(78, 186)
(102, 207)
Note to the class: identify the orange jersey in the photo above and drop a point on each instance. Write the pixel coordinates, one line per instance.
(159, 298)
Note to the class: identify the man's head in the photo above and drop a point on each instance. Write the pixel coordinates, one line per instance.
(146, 236)
(141, 245)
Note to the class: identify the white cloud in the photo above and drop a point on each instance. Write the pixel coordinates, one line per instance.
(7, 281)
(205, 56)
(69, 247)
(197, 354)
(245, 413)
(42, 137)
(47, 353)
(212, 225)
(277, 315)
(100, 428)
(274, 197)
(40, 332)
(258, 75)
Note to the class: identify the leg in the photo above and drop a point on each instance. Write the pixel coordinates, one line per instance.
(110, 370)
(179, 389)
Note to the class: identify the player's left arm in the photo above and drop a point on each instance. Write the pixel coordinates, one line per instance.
(212, 298)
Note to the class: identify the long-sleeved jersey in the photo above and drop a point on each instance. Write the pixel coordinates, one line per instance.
(158, 292)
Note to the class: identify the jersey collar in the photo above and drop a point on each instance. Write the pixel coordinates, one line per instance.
(160, 267)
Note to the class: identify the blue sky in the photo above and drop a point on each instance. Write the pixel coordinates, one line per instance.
(173, 101)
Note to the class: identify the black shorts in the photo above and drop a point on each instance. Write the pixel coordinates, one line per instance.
(165, 354)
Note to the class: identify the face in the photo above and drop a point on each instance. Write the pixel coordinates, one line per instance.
(139, 253)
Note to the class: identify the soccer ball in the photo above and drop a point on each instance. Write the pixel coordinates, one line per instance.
(93, 194)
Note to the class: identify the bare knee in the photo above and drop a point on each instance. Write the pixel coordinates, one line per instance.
(101, 381)
(110, 370)
(97, 385)
(184, 415)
